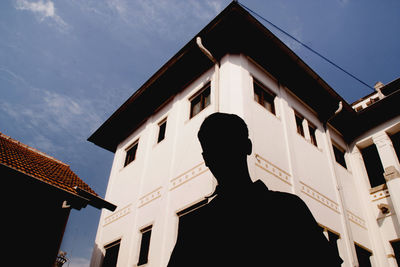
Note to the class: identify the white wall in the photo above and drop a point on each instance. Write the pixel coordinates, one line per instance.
(171, 175)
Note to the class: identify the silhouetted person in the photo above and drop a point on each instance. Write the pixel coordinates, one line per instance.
(246, 224)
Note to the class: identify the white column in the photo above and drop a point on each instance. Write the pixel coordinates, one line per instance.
(347, 234)
(391, 166)
(360, 175)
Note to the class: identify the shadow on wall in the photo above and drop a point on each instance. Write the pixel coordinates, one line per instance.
(97, 257)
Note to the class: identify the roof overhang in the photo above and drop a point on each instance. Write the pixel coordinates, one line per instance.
(77, 200)
(376, 114)
(233, 31)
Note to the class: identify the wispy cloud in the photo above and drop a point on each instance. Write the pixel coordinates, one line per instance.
(11, 76)
(43, 10)
(52, 116)
(162, 17)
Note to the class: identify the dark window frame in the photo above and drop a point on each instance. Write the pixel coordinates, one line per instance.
(395, 138)
(332, 237)
(201, 98)
(373, 165)
(264, 96)
(130, 153)
(193, 207)
(396, 249)
(339, 154)
(162, 128)
(145, 245)
(111, 258)
(299, 119)
(363, 255)
(312, 129)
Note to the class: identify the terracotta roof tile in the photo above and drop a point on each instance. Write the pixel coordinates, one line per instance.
(32, 162)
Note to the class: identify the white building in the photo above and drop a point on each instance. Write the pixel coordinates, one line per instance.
(306, 140)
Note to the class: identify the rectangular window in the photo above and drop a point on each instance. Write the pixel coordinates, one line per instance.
(111, 256)
(264, 96)
(312, 129)
(373, 164)
(396, 143)
(299, 124)
(363, 256)
(339, 155)
(131, 153)
(145, 245)
(332, 238)
(201, 100)
(192, 208)
(161, 130)
(396, 249)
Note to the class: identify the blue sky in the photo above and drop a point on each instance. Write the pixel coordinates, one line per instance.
(66, 66)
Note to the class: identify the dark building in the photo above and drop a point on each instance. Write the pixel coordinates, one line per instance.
(39, 192)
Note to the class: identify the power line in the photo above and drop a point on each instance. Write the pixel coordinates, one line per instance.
(306, 46)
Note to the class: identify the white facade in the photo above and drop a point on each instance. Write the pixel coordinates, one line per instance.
(169, 176)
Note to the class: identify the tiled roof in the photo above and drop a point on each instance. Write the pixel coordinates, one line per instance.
(34, 163)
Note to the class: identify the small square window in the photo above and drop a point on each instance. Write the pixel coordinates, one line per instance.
(161, 130)
(299, 124)
(312, 129)
(200, 101)
(263, 96)
(339, 155)
(145, 245)
(131, 153)
(359, 108)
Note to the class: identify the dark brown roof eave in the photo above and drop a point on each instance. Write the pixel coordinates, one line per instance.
(95, 201)
(378, 113)
(353, 125)
(229, 33)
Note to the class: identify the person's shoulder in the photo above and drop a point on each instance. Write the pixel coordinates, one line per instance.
(195, 216)
(283, 198)
(289, 197)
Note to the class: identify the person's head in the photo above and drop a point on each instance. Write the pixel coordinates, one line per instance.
(225, 141)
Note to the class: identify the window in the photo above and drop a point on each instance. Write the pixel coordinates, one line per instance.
(161, 130)
(312, 129)
(263, 96)
(200, 101)
(363, 256)
(299, 124)
(131, 153)
(396, 249)
(111, 256)
(373, 164)
(358, 108)
(396, 143)
(192, 208)
(145, 245)
(339, 155)
(332, 238)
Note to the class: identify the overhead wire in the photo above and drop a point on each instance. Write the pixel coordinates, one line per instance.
(305, 46)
